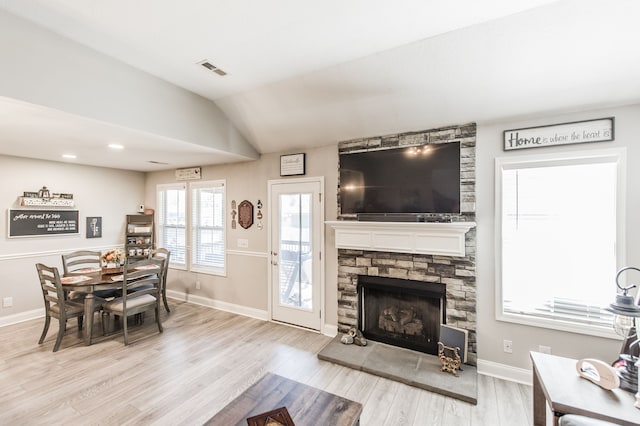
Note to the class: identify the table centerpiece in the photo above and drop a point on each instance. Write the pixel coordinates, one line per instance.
(112, 261)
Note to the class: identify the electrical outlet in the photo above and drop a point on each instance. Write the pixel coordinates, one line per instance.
(197, 285)
(7, 302)
(508, 346)
(544, 349)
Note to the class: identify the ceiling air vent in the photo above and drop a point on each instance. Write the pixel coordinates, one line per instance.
(208, 65)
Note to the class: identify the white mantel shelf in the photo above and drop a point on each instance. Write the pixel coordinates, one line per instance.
(435, 238)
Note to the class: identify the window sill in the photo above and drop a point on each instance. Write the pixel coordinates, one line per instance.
(559, 325)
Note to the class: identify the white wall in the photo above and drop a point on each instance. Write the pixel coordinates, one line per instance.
(491, 333)
(108, 193)
(246, 283)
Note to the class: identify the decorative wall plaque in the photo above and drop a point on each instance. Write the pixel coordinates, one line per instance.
(94, 227)
(233, 214)
(291, 165)
(245, 214)
(32, 223)
(560, 134)
(259, 214)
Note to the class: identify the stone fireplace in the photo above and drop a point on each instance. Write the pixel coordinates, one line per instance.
(435, 258)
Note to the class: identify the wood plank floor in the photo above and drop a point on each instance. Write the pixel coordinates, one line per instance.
(203, 360)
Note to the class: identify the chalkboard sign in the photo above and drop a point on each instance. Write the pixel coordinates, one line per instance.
(31, 223)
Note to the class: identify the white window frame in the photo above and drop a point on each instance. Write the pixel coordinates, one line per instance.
(160, 211)
(189, 264)
(617, 156)
(193, 227)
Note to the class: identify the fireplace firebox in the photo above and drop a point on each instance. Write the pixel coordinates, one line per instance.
(401, 312)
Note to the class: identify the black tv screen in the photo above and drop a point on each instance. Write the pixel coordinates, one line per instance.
(423, 179)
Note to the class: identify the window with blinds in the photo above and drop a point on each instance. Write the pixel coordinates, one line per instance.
(560, 239)
(207, 227)
(171, 222)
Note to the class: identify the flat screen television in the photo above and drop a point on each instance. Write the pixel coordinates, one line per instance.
(405, 180)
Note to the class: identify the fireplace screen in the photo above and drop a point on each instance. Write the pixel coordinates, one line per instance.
(401, 312)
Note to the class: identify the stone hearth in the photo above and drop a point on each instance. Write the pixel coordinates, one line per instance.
(404, 366)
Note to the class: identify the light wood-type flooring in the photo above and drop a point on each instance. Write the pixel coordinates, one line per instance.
(203, 360)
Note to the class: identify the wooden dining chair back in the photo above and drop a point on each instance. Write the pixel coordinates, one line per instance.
(165, 254)
(55, 304)
(81, 259)
(140, 292)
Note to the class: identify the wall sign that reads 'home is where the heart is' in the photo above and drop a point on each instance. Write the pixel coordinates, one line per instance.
(598, 130)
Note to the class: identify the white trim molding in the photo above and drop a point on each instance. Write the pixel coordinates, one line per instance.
(248, 253)
(330, 330)
(505, 372)
(435, 238)
(218, 304)
(21, 317)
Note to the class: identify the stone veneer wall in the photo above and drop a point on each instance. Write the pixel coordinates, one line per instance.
(458, 273)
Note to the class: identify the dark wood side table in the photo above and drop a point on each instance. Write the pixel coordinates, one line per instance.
(556, 383)
(306, 405)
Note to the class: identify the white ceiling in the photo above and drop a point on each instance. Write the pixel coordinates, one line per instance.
(304, 74)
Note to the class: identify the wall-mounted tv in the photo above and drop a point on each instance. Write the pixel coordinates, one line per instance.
(405, 180)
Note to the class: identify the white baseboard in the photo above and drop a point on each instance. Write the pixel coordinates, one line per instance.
(218, 304)
(505, 372)
(21, 317)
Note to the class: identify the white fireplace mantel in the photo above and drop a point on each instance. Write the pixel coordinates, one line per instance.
(435, 238)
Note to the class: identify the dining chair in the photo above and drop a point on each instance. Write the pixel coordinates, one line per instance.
(140, 293)
(81, 259)
(85, 260)
(165, 254)
(55, 304)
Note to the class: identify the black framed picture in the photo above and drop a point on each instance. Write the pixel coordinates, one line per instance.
(94, 227)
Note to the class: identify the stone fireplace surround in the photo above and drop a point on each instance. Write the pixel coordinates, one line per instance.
(396, 252)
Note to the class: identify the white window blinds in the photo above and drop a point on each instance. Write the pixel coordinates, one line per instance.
(559, 233)
(208, 248)
(171, 212)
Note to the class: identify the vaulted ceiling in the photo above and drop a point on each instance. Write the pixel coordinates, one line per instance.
(303, 74)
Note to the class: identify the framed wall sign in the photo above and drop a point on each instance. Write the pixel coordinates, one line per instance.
(94, 227)
(598, 130)
(292, 165)
(192, 173)
(35, 223)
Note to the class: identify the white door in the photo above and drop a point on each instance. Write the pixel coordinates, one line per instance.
(296, 238)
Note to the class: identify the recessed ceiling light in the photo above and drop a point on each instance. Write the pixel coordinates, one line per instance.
(116, 146)
(71, 156)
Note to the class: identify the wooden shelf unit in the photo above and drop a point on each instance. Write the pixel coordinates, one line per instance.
(139, 236)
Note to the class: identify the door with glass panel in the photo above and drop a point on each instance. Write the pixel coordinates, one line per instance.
(296, 223)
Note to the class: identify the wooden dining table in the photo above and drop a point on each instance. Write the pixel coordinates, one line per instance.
(90, 280)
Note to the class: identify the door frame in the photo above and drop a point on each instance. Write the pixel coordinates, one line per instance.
(321, 260)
